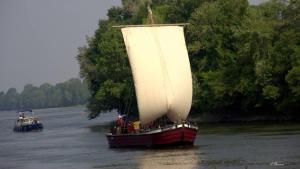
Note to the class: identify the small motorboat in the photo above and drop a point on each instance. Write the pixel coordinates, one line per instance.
(27, 123)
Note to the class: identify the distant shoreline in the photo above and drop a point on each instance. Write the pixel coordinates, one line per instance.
(221, 118)
(37, 109)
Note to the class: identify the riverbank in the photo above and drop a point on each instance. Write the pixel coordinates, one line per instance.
(235, 117)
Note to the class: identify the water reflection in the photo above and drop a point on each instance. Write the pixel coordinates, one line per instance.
(185, 158)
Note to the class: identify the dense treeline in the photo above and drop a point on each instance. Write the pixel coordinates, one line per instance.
(69, 93)
(245, 59)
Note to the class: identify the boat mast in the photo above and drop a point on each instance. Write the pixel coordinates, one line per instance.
(151, 21)
(150, 14)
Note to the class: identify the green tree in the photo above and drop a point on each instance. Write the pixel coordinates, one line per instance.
(106, 67)
(69, 93)
(11, 100)
(2, 97)
(245, 59)
(47, 89)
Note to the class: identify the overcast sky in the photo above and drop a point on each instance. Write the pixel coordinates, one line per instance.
(39, 38)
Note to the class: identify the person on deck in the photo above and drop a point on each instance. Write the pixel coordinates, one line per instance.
(130, 127)
(120, 124)
(120, 121)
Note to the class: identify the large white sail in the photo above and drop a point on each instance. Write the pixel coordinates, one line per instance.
(161, 71)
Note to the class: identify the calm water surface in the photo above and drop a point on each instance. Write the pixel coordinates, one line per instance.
(69, 140)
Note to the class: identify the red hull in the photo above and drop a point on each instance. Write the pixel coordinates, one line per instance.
(182, 134)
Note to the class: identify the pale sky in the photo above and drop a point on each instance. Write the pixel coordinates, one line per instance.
(39, 38)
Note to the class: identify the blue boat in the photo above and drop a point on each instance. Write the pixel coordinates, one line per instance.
(27, 123)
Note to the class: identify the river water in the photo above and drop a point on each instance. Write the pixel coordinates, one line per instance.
(69, 140)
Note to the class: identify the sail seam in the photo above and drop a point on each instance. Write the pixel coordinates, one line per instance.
(166, 78)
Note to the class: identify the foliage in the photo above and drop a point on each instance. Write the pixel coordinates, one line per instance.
(245, 59)
(69, 93)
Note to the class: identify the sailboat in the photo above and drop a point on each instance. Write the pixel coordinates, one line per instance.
(163, 83)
